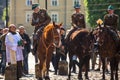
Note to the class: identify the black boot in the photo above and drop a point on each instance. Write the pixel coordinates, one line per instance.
(34, 45)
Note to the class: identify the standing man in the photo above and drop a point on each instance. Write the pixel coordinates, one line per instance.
(60, 51)
(40, 19)
(78, 20)
(14, 54)
(26, 50)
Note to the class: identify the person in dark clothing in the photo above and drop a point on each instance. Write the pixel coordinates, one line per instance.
(60, 52)
(1, 32)
(26, 50)
(78, 21)
(40, 19)
(74, 62)
(3, 51)
(111, 20)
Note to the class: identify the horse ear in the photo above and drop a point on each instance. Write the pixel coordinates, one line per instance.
(60, 25)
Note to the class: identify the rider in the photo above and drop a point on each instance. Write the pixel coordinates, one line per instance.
(78, 20)
(111, 20)
(40, 19)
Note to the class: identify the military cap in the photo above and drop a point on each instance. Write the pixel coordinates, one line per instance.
(34, 6)
(110, 7)
(77, 6)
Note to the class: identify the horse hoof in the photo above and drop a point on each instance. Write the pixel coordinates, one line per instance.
(113, 79)
(87, 78)
(40, 78)
(47, 78)
(81, 79)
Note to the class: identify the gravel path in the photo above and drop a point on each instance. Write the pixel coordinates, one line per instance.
(93, 75)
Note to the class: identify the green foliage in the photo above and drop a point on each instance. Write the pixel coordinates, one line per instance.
(4, 14)
(96, 9)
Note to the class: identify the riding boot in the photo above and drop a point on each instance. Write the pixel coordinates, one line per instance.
(34, 44)
(36, 38)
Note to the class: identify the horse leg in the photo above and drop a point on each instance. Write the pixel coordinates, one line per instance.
(80, 68)
(40, 73)
(70, 66)
(103, 67)
(112, 68)
(87, 58)
(42, 66)
(44, 70)
(93, 58)
(116, 69)
(49, 56)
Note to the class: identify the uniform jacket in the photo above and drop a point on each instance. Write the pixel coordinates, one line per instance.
(111, 20)
(78, 20)
(40, 18)
(11, 42)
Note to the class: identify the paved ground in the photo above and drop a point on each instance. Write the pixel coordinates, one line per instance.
(93, 75)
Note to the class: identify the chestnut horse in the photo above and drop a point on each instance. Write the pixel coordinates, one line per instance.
(79, 44)
(47, 42)
(108, 48)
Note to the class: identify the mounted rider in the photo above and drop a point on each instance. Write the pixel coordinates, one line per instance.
(111, 20)
(40, 19)
(78, 20)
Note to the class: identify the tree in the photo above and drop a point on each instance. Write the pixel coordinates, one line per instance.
(96, 9)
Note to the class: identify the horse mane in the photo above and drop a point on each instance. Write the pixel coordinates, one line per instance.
(47, 29)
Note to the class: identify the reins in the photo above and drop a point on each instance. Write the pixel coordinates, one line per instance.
(43, 41)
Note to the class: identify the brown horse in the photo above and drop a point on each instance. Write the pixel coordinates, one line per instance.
(108, 49)
(79, 44)
(49, 39)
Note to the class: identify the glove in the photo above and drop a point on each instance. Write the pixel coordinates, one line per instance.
(20, 43)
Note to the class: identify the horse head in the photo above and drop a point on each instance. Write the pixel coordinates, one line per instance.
(56, 33)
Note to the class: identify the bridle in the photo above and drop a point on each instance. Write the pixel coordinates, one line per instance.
(53, 43)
